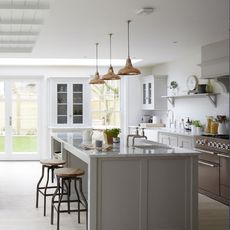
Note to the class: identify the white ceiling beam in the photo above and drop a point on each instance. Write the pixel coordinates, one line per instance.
(16, 49)
(19, 6)
(17, 42)
(21, 22)
(18, 33)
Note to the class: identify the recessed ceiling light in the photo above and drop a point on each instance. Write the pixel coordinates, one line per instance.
(145, 10)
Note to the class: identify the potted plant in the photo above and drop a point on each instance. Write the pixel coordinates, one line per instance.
(174, 87)
(112, 135)
(196, 127)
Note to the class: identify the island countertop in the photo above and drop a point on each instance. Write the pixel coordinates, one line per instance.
(143, 148)
(147, 183)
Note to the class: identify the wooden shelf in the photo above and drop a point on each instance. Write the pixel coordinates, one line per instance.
(212, 97)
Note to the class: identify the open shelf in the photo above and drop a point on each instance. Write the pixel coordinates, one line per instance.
(212, 97)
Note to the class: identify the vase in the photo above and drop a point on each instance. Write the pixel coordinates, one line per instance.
(221, 128)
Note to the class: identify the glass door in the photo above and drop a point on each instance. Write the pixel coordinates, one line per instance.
(19, 120)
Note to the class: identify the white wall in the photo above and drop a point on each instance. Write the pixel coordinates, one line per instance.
(195, 108)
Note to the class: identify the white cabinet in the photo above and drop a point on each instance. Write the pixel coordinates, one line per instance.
(176, 140)
(185, 142)
(152, 134)
(69, 106)
(168, 139)
(153, 88)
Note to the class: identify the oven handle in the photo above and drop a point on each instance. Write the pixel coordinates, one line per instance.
(206, 164)
(223, 155)
(204, 151)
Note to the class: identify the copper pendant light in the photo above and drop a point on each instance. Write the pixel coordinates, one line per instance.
(110, 75)
(129, 69)
(96, 79)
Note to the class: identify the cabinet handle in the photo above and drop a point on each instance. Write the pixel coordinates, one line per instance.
(223, 155)
(204, 151)
(206, 164)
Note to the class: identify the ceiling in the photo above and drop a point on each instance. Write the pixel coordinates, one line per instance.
(175, 28)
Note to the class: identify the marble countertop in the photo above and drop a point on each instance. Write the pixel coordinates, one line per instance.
(143, 148)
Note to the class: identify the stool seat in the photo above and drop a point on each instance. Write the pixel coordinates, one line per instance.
(69, 172)
(52, 162)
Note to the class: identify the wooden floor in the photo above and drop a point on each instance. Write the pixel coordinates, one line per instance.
(17, 203)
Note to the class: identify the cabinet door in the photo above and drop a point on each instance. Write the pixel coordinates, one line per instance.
(147, 94)
(164, 139)
(168, 139)
(151, 134)
(77, 104)
(62, 104)
(69, 104)
(185, 142)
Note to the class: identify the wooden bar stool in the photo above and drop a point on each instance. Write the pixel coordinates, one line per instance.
(64, 178)
(50, 165)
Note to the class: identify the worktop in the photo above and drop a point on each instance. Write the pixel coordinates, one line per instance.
(135, 188)
(74, 141)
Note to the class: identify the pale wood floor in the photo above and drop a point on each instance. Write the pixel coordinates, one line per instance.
(17, 203)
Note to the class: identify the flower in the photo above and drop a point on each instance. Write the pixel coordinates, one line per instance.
(173, 85)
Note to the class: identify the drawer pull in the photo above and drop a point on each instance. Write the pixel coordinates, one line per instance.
(204, 151)
(206, 164)
(223, 155)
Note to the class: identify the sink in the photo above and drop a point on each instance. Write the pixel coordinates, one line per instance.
(152, 146)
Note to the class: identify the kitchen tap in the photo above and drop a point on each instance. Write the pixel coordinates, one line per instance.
(171, 121)
(135, 136)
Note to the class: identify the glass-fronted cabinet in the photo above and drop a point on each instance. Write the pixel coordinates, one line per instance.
(69, 103)
(153, 88)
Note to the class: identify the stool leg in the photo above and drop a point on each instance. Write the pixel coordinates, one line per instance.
(53, 198)
(84, 199)
(59, 205)
(52, 174)
(45, 190)
(69, 194)
(39, 182)
(78, 198)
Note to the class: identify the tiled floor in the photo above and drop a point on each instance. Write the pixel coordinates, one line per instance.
(17, 200)
(17, 203)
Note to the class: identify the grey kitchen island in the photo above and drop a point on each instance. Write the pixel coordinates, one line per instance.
(147, 187)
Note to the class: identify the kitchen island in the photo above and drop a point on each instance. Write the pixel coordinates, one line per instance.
(147, 187)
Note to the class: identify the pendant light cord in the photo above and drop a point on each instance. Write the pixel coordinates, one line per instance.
(110, 56)
(97, 57)
(128, 36)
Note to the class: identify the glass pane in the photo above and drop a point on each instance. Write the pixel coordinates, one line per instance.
(77, 88)
(62, 120)
(61, 87)
(77, 110)
(77, 98)
(150, 93)
(144, 93)
(62, 110)
(62, 98)
(24, 117)
(2, 118)
(77, 119)
(105, 103)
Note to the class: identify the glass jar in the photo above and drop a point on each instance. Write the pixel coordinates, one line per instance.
(208, 124)
(214, 127)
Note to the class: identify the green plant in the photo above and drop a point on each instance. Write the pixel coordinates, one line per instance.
(112, 132)
(196, 123)
(173, 85)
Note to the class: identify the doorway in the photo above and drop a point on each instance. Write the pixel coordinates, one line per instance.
(19, 123)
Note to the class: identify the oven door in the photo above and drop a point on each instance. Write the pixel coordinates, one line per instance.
(224, 169)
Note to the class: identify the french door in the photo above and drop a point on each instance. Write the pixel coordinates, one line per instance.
(19, 123)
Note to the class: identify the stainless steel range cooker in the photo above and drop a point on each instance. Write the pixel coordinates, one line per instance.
(214, 166)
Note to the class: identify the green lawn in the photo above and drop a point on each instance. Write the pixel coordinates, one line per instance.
(21, 143)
